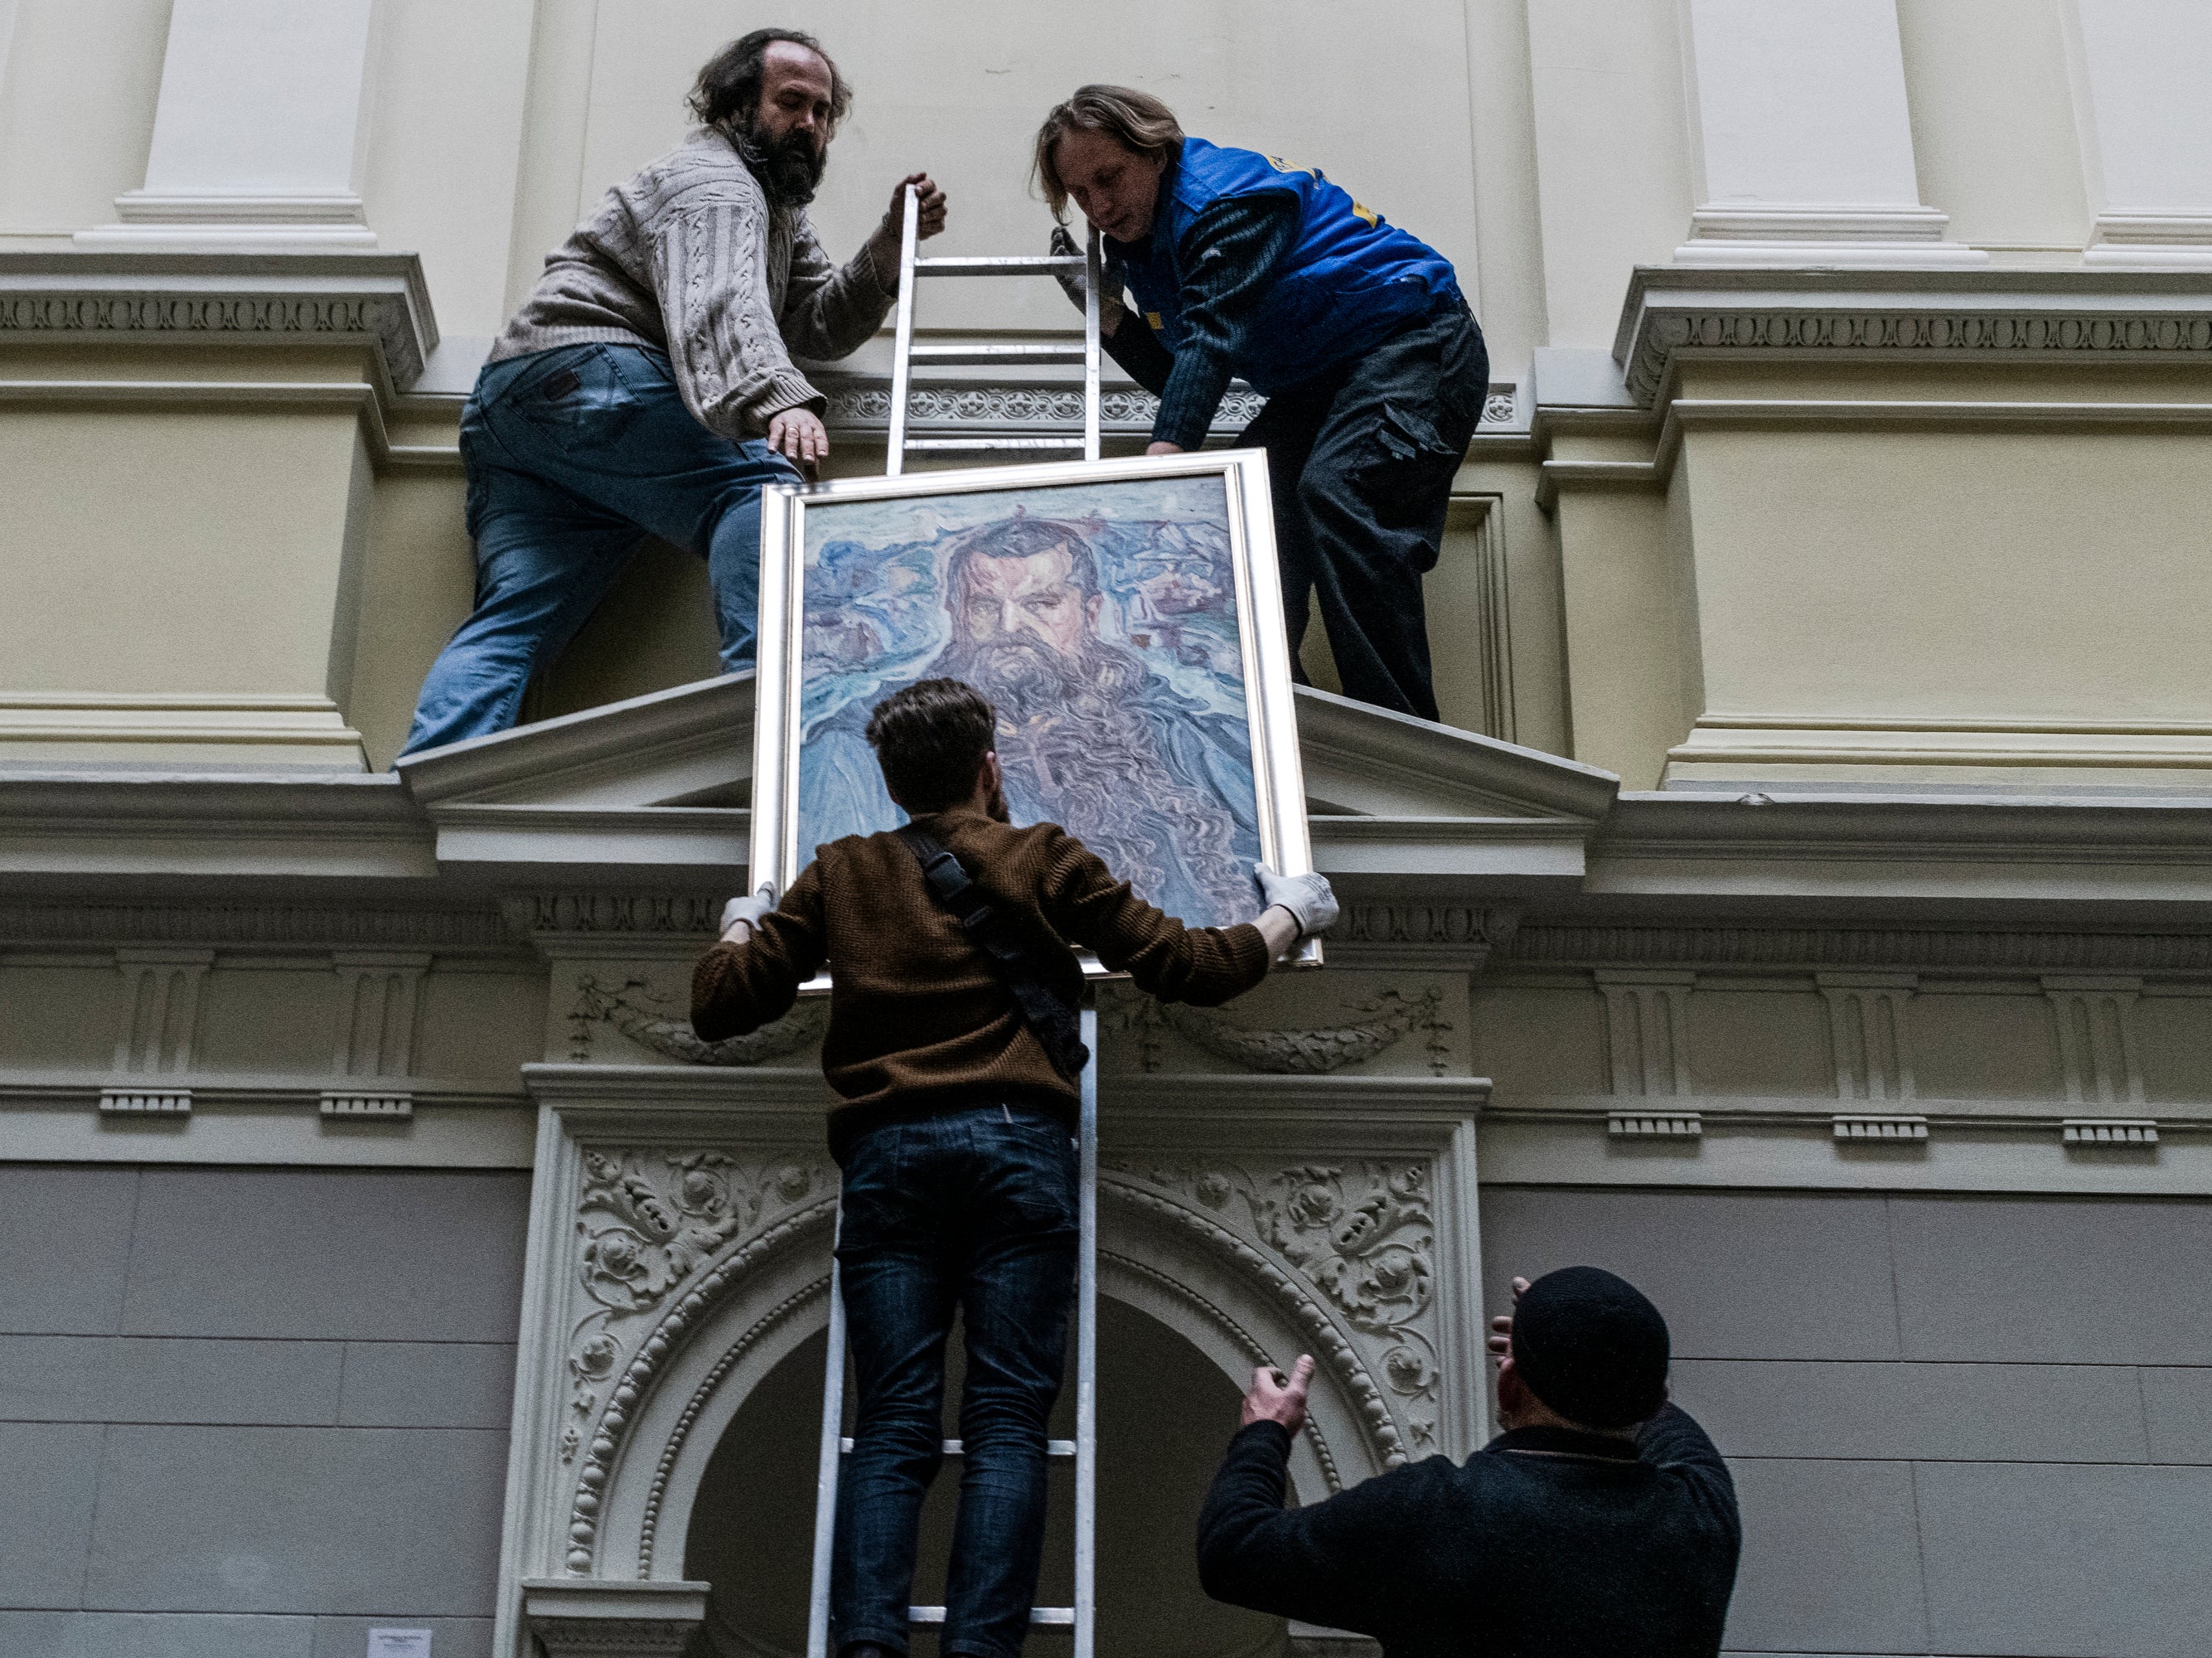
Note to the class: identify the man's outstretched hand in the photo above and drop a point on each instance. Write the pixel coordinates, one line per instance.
(928, 222)
(741, 916)
(1501, 1328)
(884, 247)
(1274, 1396)
(799, 435)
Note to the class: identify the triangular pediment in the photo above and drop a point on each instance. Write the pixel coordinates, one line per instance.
(691, 745)
(664, 781)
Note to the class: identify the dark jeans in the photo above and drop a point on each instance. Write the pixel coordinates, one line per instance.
(1361, 460)
(573, 456)
(975, 1209)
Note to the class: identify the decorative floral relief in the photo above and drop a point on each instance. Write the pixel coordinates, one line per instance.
(1387, 1018)
(648, 1020)
(1363, 1235)
(645, 1223)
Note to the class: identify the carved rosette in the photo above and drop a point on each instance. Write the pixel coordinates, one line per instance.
(659, 1235)
(1349, 1249)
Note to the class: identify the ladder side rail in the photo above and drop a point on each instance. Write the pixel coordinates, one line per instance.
(826, 1465)
(901, 360)
(1086, 1310)
(1093, 266)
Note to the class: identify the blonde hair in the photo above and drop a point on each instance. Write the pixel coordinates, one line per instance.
(1136, 120)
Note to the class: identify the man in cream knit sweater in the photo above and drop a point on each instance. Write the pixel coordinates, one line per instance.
(645, 386)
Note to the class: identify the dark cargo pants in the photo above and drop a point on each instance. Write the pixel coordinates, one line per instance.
(1362, 460)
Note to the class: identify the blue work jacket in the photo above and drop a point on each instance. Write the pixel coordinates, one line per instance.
(1347, 282)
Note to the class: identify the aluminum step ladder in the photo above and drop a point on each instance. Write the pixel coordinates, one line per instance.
(1082, 1449)
(905, 353)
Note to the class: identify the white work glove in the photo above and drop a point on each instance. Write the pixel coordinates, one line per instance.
(1076, 284)
(741, 916)
(1309, 898)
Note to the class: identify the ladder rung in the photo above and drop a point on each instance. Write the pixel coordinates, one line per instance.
(1002, 265)
(1062, 1616)
(976, 445)
(981, 354)
(956, 1447)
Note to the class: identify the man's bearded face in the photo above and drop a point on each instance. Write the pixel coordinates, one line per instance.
(1033, 596)
(790, 164)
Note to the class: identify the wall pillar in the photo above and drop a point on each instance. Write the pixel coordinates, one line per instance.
(1801, 138)
(2141, 69)
(261, 132)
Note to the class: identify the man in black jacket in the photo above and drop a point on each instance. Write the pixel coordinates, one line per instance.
(1601, 1522)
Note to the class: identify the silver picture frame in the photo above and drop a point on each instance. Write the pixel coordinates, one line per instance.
(1277, 778)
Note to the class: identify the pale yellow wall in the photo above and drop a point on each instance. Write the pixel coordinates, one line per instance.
(76, 109)
(1625, 645)
(1952, 575)
(1993, 130)
(418, 583)
(152, 549)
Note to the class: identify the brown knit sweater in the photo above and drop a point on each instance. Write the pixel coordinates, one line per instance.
(918, 1019)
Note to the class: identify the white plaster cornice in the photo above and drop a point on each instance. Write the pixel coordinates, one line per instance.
(242, 825)
(1426, 766)
(641, 752)
(378, 300)
(1984, 850)
(2083, 315)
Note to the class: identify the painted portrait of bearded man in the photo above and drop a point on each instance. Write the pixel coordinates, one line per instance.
(1090, 736)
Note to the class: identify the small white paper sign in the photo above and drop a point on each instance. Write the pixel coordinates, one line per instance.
(400, 1643)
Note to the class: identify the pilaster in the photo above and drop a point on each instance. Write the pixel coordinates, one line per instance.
(261, 132)
(2140, 71)
(1801, 138)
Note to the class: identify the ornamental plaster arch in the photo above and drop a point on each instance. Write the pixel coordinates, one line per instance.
(630, 1510)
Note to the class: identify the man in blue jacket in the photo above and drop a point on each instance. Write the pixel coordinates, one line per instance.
(1357, 334)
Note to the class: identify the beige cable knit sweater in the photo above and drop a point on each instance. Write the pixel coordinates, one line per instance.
(689, 258)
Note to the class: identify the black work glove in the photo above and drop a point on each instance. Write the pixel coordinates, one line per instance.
(1076, 285)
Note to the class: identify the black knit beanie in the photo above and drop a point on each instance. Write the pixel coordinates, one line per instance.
(1591, 1347)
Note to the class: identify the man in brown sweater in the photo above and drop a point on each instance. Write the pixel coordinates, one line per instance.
(952, 1130)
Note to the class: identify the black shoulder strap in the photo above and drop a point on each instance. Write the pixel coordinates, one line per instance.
(1051, 1021)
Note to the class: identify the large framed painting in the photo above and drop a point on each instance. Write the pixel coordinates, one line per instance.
(1124, 618)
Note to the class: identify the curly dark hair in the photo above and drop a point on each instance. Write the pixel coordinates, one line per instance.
(930, 739)
(728, 89)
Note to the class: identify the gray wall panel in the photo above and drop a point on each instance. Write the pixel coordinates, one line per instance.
(2054, 1280)
(2177, 1406)
(411, 1384)
(51, 1474)
(369, 1255)
(64, 1245)
(450, 1638)
(2067, 1562)
(1966, 1412)
(1829, 1559)
(325, 1520)
(155, 1635)
(1738, 1275)
(167, 1379)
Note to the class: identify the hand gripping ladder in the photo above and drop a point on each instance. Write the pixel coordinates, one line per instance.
(1084, 1447)
(905, 353)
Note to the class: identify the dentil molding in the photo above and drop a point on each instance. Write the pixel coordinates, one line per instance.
(2082, 316)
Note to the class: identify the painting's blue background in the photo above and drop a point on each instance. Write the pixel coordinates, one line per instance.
(876, 619)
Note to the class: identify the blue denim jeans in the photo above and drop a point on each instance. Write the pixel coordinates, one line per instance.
(573, 456)
(975, 1209)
